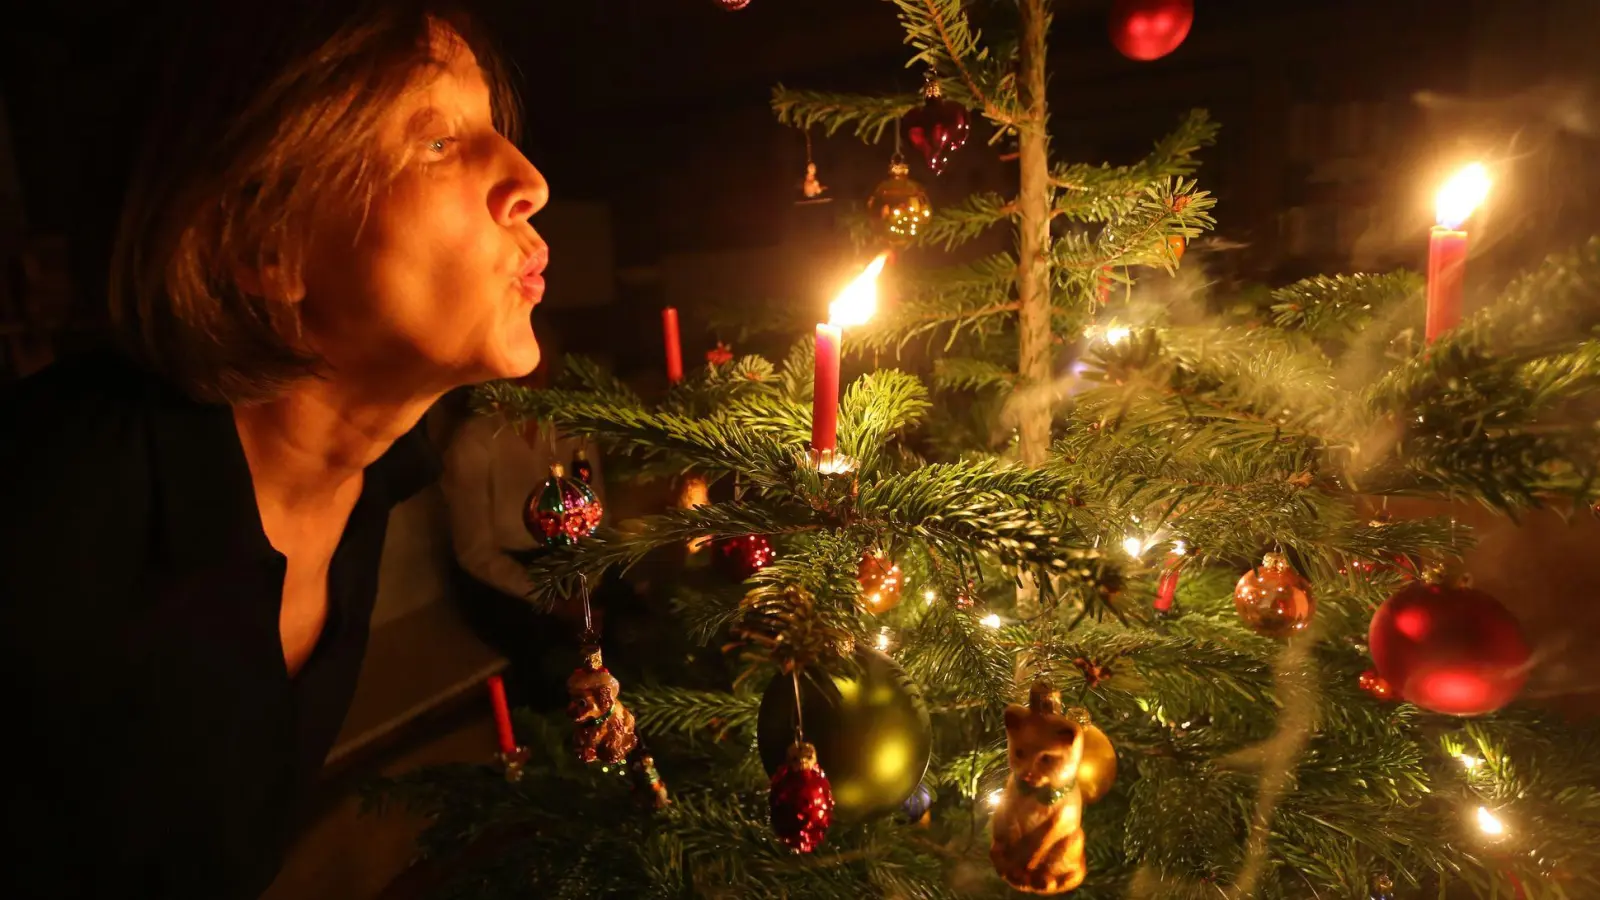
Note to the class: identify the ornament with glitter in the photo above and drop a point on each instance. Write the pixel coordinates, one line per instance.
(563, 511)
(801, 800)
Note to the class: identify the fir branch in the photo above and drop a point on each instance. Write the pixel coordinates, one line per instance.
(972, 375)
(1340, 305)
(961, 222)
(869, 115)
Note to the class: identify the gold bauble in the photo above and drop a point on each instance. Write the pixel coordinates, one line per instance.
(1098, 770)
(899, 207)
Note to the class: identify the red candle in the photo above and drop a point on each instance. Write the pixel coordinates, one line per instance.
(1447, 247)
(502, 714)
(1167, 587)
(1447, 268)
(854, 306)
(669, 329)
(825, 389)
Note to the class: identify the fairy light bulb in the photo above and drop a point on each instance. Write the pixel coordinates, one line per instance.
(884, 640)
(1179, 548)
(929, 596)
(1468, 761)
(994, 798)
(1489, 823)
(1133, 546)
(992, 620)
(1116, 334)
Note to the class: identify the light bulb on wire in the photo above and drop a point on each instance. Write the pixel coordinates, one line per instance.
(1489, 823)
(992, 620)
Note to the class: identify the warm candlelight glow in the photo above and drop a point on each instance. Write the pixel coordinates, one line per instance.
(1461, 195)
(859, 300)
(995, 797)
(1489, 823)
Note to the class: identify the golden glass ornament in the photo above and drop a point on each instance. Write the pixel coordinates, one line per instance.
(1097, 771)
(1273, 599)
(899, 207)
(881, 581)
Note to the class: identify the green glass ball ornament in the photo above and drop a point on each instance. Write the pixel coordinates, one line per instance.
(562, 511)
(870, 728)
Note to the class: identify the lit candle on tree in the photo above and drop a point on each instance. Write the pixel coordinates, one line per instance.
(854, 306)
(1447, 247)
(669, 332)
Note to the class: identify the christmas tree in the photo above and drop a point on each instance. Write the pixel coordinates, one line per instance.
(1090, 603)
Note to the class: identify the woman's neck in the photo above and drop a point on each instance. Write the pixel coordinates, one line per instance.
(307, 444)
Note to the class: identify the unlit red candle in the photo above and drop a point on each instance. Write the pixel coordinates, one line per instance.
(502, 714)
(669, 333)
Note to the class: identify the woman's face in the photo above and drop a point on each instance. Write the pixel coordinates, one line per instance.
(434, 286)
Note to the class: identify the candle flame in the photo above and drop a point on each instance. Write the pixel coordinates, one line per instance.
(859, 300)
(1461, 195)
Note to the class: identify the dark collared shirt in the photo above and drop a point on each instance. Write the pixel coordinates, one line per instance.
(158, 745)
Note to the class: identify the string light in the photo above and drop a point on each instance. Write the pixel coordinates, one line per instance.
(1468, 761)
(1133, 546)
(883, 641)
(992, 620)
(1489, 823)
(929, 595)
(1116, 334)
(1179, 548)
(995, 796)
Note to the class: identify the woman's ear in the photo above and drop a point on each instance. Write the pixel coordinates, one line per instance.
(269, 276)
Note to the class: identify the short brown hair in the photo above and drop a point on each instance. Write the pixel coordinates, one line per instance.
(269, 110)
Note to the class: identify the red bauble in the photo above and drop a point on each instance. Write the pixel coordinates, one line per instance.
(1452, 650)
(738, 558)
(1150, 29)
(937, 128)
(801, 800)
(732, 5)
(1376, 685)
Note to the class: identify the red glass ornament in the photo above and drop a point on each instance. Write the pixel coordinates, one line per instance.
(563, 511)
(1150, 29)
(720, 355)
(1452, 650)
(581, 466)
(1376, 685)
(738, 558)
(801, 800)
(1273, 599)
(937, 128)
(731, 5)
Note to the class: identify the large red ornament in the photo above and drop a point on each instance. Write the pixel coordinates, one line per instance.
(937, 128)
(1452, 650)
(1150, 29)
(801, 800)
(738, 558)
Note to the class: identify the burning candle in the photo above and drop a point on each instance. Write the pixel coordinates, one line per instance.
(1447, 247)
(854, 306)
(502, 715)
(669, 330)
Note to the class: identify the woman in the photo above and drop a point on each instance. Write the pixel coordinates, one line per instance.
(329, 230)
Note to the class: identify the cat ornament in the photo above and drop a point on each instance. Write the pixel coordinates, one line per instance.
(1037, 844)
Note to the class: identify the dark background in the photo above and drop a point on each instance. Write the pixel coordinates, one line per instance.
(672, 182)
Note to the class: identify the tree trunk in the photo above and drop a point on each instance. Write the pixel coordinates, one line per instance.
(1036, 389)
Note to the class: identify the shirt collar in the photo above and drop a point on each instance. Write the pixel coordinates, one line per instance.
(206, 500)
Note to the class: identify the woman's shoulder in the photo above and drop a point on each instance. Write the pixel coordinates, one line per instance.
(85, 407)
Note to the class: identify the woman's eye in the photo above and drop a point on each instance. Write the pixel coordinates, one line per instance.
(439, 146)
